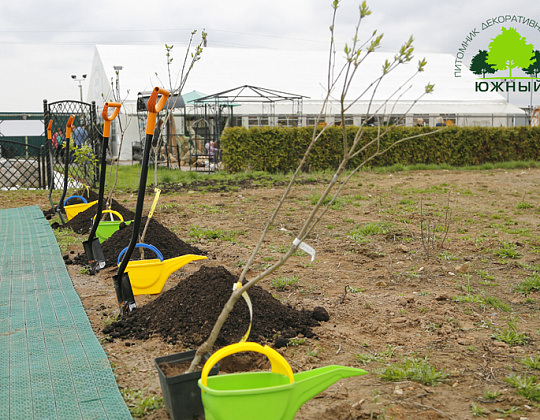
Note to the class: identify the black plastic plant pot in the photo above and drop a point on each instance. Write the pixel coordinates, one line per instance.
(181, 393)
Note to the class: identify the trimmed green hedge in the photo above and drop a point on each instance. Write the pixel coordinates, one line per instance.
(275, 149)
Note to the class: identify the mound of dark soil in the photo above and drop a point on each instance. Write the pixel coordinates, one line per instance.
(167, 242)
(83, 221)
(187, 313)
(163, 239)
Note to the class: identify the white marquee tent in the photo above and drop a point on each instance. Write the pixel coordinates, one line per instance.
(295, 72)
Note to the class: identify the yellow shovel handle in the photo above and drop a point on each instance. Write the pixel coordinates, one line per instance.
(279, 364)
(112, 212)
(49, 130)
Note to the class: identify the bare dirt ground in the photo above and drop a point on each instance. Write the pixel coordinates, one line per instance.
(402, 293)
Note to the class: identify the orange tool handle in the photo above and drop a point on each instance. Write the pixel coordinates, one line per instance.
(49, 128)
(105, 115)
(154, 106)
(68, 126)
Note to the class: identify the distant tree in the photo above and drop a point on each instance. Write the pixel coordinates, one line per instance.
(509, 50)
(479, 64)
(534, 68)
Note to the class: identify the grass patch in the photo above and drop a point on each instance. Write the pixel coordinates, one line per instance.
(283, 282)
(530, 284)
(369, 229)
(65, 238)
(418, 370)
(140, 405)
(169, 208)
(337, 204)
(507, 250)
(511, 336)
(447, 256)
(484, 275)
(491, 395)
(532, 362)
(525, 385)
(496, 303)
(524, 205)
(478, 411)
(295, 342)
(283, 249)
(481, 298)
(204, 208)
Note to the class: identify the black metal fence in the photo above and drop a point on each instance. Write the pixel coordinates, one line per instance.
(22, 165)
(80, 151)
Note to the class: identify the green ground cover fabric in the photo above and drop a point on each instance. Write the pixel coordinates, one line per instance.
(51, 363)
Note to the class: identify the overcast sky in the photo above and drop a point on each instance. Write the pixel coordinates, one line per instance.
(44, 42)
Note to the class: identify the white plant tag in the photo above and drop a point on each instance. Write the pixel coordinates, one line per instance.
(305, 247)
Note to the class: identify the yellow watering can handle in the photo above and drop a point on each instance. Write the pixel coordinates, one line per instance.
(279, 364)
(112, 212)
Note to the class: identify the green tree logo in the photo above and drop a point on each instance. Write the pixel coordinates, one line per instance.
(509, 50)
(479, 64)
(534, 68)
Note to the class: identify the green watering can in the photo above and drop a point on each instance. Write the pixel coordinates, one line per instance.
(263, 395)
(106, 228)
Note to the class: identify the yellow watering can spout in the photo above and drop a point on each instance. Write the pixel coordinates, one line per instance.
(173, 264)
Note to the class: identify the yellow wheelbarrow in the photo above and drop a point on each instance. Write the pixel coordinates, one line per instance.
(149, 276)
(74, 209)
(275, 395)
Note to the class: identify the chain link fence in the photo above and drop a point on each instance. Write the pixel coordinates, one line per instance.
(22, 165)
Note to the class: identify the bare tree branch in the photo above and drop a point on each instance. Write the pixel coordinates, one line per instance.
(345, 77)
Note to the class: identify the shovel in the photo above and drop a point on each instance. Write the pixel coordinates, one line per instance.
(122, 284)
(92, 247)
(51, 163)
(66, 168)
